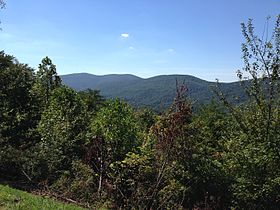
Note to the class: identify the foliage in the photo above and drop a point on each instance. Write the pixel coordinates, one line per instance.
(78, 183)
(62, 130)
(146, 118)
(46, 80)
(133, 178)
(156, 93)
(106, 154)
(253, 145)
(116, 125)
(2, 4)
(113, 134)
(92, 99)
(18, 115)
(211, 184)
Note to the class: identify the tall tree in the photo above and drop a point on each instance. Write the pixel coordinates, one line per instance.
(46, 79)
(114, 133)
(62, 129)
(17, 114)
(254, 155)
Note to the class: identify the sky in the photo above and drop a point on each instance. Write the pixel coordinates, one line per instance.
(141, 37)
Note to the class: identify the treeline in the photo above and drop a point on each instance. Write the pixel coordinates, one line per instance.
(104, 153)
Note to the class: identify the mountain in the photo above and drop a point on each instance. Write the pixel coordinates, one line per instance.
(155, 92)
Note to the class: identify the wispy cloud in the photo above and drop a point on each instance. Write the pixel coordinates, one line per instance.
(125, 35)
(131, 48)
(171, 50)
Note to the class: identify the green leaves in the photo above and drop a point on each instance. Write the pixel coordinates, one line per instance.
(92, 99)
(17, 113)
(221, 157)
(117, 126)
(62, 129)
(46, 80)
(250, 155)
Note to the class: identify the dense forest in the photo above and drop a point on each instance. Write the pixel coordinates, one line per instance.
(104, 153)
(156, 93)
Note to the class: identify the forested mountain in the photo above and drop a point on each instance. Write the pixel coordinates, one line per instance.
(105, 154)
(156, 92)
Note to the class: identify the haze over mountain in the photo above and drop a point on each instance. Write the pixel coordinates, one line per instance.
(155, 92)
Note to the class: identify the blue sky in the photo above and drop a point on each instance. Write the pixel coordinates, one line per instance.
(141, 37)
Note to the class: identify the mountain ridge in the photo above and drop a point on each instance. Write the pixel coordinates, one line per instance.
(155, 92)
(143, 78)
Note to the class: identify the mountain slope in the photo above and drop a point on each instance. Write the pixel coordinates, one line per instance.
(156, 92)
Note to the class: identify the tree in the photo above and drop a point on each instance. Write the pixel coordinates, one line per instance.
(211, 183)
(62, 129)
(146, 118)
(92, 99)
(2, 4)
(114, 133)
(46, 80)
(18, 116)
(134, 178)
(147, 177)
(253, 158)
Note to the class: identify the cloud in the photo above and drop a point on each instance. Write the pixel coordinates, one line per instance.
(131, 48)
(125, 35)
(171, 50)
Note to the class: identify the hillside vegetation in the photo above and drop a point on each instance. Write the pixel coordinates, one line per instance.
(155, 92)
(105, 153)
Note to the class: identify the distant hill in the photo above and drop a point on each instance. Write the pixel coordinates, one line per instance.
(155, 92)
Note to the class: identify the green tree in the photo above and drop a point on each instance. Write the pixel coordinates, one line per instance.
(46, 80)
(114, 133)
(134, 178)
(62, 129)
(211, 183)
(253, 157)
(92, 99)
(18, 116)
(188, 151)
(146, 118)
